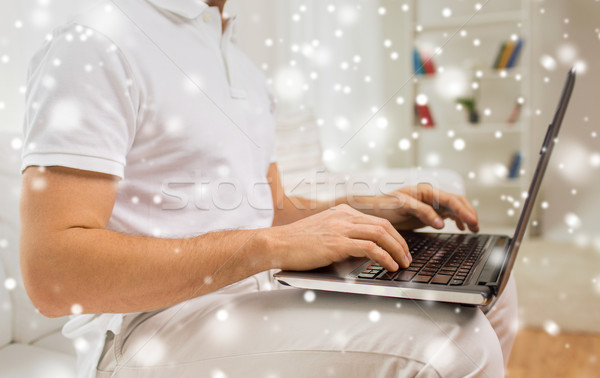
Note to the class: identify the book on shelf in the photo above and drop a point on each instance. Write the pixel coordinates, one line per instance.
(423, 63)
(509, 47)
(423, 116)
(515, 165)
(508, 54)
(514, 56)
(499, 55)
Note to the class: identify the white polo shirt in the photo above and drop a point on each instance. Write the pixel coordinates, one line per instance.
(155, 93)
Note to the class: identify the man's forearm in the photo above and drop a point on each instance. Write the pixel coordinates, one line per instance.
(103, 271)
(291, 209)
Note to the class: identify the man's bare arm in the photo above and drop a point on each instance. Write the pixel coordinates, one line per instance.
(69, 258)
(407, 208)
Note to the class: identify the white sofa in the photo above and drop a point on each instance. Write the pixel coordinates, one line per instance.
(31, 345)
(300, 159)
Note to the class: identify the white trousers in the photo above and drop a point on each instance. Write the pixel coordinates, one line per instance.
(291, 333)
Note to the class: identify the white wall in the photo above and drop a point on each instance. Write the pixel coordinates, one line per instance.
(568, 32)
(23, 26)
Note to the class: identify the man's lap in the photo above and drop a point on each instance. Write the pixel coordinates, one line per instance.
(280, 332)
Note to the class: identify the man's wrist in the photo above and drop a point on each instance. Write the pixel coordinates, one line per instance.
(269, 249)
(365, 204)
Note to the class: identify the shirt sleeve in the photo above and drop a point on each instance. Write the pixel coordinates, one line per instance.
(81, 104)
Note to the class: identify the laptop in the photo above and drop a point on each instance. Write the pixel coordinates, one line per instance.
(468, 269)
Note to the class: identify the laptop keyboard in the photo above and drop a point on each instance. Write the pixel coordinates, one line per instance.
(440, 259)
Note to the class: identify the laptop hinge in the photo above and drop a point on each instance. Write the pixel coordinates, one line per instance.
(493, 287)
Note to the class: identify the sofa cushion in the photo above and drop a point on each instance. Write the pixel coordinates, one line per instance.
(18, 360)
(57, 342)
(297, 144)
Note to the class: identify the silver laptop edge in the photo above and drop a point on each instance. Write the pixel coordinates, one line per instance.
(496, 263)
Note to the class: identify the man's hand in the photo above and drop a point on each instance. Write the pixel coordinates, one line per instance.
(419, 206)
(334, 235)
(407, 208)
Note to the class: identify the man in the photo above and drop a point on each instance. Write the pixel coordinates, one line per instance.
(151, 199)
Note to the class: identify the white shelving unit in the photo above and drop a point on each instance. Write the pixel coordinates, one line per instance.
(464, 38)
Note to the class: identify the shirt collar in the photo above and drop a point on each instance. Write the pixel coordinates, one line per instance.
(185, 8)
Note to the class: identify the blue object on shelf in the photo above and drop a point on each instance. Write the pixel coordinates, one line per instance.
(515, 166)
(418, 63)
(512, 61)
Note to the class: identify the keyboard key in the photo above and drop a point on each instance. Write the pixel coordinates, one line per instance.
(405, 275)
(421, 279)
(443, 258)
(367, 275)
(427, 273)
(387, 276)
(441, 279)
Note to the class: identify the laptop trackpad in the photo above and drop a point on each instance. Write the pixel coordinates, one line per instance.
(343, 268)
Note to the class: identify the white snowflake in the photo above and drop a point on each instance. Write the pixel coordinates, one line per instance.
(548, 62)
(222, 315)
(10, 283)
(76, 309)
(551, 327)
(309, 296)
(342, 123)
(38, 184)
(404, 144)
(382, 122)
(81, 345)
(459, 144)
(16, 143)
(572, 220)
(374, 316)
(65, 115)
(347, 15)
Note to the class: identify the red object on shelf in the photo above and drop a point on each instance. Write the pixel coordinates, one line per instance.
(428, 65)
(514, 115)
(424, 116)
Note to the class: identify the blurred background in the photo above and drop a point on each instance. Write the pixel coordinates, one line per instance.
(465, 85)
